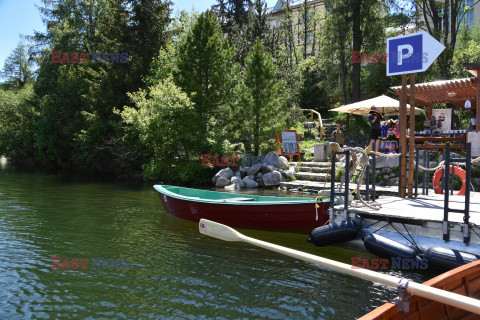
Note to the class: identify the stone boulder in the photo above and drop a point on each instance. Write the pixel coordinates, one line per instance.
(283, 163)
(226, 173)
(260, 182)
(271, 159)
(222, 182)
(250, 183)
(387, 162)
(267, 168)
(272, 178)
(289, 174)
(387, 170)
(239, 181)
(233, 187)
(393, 182)
(254, 169)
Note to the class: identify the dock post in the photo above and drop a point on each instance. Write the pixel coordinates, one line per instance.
(416, 172)
(428, 172)
(399, 173)
(332, 185)
(466, 217)
(367, 182)
(426, 164)
(446, 177)
(347, 183)
(374, 172)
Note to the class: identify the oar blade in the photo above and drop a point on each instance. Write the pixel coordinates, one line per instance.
(218, 230)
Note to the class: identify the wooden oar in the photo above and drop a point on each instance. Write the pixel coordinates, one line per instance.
(226, 233)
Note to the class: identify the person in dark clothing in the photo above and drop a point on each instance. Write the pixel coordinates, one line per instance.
(374, 119)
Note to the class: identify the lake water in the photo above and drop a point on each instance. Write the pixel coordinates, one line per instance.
(146, 264)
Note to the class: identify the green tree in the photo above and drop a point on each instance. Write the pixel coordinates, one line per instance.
(77, 126)
(162, 121)
(17, 68)
(204, 66)
(261, 110)
(17, 119)
(312, 92)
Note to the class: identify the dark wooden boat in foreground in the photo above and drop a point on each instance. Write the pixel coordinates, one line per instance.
(464, 280)
(244, 210)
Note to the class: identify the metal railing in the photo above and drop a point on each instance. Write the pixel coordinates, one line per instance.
(320, 122)
(446, 207)
(345, 193)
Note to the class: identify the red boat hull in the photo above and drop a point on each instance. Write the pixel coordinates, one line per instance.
(285, 217)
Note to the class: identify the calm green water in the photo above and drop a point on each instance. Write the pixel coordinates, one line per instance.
(173, 272)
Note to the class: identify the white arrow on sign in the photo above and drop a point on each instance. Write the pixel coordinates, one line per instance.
(412, 53)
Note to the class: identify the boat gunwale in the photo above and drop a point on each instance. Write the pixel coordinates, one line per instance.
(161, 189)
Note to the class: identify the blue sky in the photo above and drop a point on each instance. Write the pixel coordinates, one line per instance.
(21, 17)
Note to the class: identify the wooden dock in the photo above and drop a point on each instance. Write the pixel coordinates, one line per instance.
(422, 216)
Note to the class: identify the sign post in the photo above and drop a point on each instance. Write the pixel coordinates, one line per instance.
(407, 55)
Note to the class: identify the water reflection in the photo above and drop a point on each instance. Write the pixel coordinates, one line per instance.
(173, 271)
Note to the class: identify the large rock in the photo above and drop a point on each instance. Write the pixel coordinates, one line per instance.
(243, 171)
(222, 182)
(254, 169)
(289, 174)
(386, 170)
(233, 187)
(249, 183)
(272, 178)
(267, 168)
(226, 173)
(387, 162)
(271, 159)
(239, 181)
(283, 163)
(260, 182)
(393, 182)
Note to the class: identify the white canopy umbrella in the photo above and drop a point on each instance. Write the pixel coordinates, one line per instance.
(384, 105)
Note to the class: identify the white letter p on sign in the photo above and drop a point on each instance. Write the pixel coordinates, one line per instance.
(402, 56)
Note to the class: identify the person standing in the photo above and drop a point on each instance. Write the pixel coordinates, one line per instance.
(337, 135)
(374, 119)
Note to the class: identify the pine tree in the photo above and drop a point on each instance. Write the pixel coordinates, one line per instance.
(204, 65)
(17, 68)
(261, 110)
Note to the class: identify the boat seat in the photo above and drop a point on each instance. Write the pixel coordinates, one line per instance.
(239, 199)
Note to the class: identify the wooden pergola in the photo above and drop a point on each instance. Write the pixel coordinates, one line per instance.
(455, 91)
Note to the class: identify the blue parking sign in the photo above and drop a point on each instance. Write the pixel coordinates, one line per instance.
(411, 53)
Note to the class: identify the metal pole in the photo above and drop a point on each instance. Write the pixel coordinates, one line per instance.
(347, 180)
(399, 173)
(466, 217)
(424, 181)
(411, 142)
(446, 176)
(374, 173)
(416, 172)
(332, 181)
(367, 182)
(403, 135)
(428, 172)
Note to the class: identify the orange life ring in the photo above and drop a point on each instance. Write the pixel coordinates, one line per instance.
(457, 171)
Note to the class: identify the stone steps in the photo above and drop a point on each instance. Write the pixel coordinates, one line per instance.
(314, 169)
(311, 164)
(312, 176)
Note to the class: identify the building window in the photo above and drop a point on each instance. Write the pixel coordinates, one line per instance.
(274, 23)
(466, 14)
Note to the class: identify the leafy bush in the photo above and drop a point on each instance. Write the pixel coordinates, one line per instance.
(164, 121)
